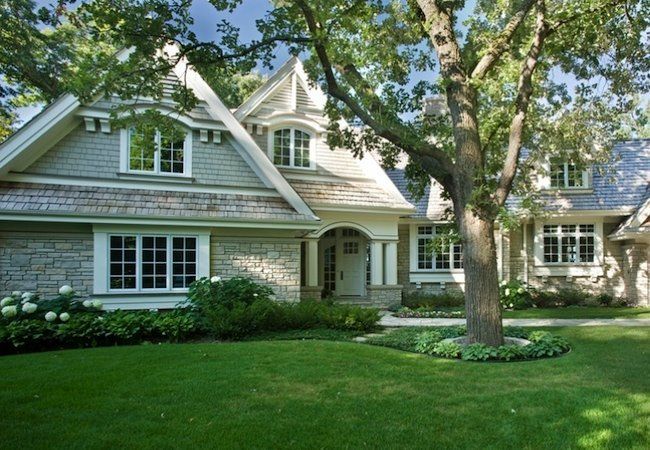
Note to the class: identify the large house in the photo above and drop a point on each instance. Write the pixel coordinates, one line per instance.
(132, 216)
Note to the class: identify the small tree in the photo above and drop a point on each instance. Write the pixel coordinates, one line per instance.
(502, 72)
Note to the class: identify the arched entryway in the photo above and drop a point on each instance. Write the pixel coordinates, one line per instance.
(345, 264)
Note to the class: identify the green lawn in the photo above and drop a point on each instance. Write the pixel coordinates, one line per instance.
(320, 394)
(579, 312)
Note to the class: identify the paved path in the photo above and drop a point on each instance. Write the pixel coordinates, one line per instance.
(389, 320)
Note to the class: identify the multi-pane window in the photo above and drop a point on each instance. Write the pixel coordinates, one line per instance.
(151, 150)
(566, 175)
(569, 243)
(146, 262)
(350, 248)
(329, 268)
(291, 148)
(450, 256)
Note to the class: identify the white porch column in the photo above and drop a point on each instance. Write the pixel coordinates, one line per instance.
(311, 256)
(376, 263)
(391, 263)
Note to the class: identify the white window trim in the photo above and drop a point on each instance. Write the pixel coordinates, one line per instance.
(568, 268)
(125, 156)
(545, 180)
(413, 252)
(312, 146)
(101, 256)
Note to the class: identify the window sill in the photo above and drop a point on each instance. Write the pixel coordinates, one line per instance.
(586, 270)
(568, 191)
(156, 176)
(296, 169)
(441, 276)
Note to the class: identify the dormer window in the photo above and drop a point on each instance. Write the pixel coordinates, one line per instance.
(567, 175)
(292, 148)
(154, 151)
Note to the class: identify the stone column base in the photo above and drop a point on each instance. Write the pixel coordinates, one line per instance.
(310, 292)
(383, 295)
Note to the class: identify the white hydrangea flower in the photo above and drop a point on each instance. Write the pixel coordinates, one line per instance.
(64, 317)
(97, 304)
(507, 292)
(9, 311)
(29, 308)
(50, 316)
(66, 290)
(511, 305)
(215, 279)
(254, 295)
(16, 294)
(26, 297)
(6, 301)
(504, 282)
(87, 303)
(520, 291)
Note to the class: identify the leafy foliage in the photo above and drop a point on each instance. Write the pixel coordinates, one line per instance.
(427, 341)
(513, 294)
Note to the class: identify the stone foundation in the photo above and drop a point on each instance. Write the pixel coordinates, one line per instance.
(42, 263)
(273, 264)
(383, 296)
(311, 292)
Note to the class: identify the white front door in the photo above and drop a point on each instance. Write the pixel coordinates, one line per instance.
(351, 268)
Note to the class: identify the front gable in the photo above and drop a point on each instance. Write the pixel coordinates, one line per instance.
(70, 144)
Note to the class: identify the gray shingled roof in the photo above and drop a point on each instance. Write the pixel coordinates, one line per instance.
(623, 188)
(45, 199)
(346, 193)
(628, 190)
(431, 205)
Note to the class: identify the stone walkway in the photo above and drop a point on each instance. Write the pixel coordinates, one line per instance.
(389, 320)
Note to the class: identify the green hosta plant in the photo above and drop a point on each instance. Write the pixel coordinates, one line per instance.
(426, 342)
(511, 352)
(478, 352)
(447, 349)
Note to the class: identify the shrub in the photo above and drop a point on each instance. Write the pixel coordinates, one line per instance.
(511, 352)
(478, 352)
(513, 294)
(545, 299)
(445, 299)
(429, 312)
(544, 344)
(209, 292)
(516, 332)
(426, 342)
(447, 349)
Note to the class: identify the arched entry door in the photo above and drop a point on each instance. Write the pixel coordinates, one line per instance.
(343, 256)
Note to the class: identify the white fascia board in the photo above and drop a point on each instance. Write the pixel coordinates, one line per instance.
(266, 90)
(190, 122)
(45, 129)
(365, 209)
(313, 91)
(162, 221)
(265, 169)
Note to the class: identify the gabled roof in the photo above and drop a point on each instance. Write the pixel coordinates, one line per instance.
(637, 224)
(274, 84)
(59, 118)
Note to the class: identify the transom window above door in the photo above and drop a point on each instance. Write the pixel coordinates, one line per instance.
(292, 148)
(157, 151)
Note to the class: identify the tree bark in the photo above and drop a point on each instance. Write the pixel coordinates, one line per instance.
(482, 306)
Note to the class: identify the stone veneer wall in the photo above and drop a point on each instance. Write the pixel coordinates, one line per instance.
(41, 263)
(612, 282)
(272, 263)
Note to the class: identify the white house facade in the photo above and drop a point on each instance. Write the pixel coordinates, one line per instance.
(132, 216)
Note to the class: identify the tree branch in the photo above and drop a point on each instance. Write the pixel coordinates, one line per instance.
(524, 93)
(434, 159)
(502, 41)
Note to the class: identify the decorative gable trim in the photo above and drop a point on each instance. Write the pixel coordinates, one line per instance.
(293, 72)
(241, 139)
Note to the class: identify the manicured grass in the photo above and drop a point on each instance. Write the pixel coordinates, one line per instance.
(318, 394)
(579, 312)
(572, 312)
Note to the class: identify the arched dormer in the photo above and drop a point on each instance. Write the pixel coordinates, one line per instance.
(292, 145)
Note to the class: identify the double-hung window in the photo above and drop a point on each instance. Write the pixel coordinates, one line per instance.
(157, 151)
(450, 256)
(141, 262)
(292, 148)
(566, 175)
(574, 243)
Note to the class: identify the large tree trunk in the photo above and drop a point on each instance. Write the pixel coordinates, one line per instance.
(481, 280)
